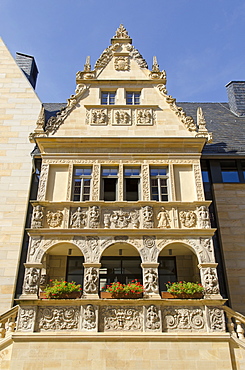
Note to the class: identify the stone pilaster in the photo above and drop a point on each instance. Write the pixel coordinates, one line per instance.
(150, 280)
(91, 280)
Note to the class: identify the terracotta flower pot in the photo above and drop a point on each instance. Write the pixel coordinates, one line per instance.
(71, 295)
(108, 295)
(167, 295)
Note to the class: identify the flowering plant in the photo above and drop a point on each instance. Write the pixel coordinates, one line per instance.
(183, 287)
(56, 288)
(116, 287)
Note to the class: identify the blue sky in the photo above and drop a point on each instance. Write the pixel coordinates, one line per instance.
(199, 43)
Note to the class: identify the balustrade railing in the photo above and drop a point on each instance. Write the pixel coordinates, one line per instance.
(235, 323)
(8, 322)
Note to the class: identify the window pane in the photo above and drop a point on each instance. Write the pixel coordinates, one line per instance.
(132, 189)
(205, 176)
(109, 171)
(230, 176)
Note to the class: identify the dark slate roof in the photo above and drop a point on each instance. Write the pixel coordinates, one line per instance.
(227, 128)
(52, 108)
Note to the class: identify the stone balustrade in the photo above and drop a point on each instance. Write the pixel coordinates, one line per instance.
(8, 322)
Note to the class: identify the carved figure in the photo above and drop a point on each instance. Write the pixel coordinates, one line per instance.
(152, 318)
(188, 219)
(144, 117)
(122, 118)
(99, 117)
(134, 216)
(58, 318)
(121, 63)
(37, 217)
(26, 317)
(54, 219)
(31, 280)
(94, 217)
(216, 319)
(151, 281)
(89, 317)
(78, 218)
(147, 213)
(90, 280)
(120, 219)
(183, 318)
(107, 220)
(122, 319)
(211, 281)
(163, 219)
(203, 217)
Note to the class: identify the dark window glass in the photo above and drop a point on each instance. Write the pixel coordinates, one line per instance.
(229, 171)
(167, 271)
(75, 270)
(131, 183)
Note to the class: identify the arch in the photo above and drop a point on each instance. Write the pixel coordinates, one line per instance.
(120, 248)
(186, 243)
(60, 246)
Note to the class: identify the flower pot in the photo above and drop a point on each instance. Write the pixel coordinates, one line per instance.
(167, 295)
(108, 295)
(71, 295)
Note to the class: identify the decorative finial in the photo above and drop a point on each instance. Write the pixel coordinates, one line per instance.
(155, 66)
(201, 122)
(87, 66)
(121, 33)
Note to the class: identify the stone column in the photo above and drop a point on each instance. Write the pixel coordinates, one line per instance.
(91, 280)
(209, 279)
(31, 283)
(150, 280)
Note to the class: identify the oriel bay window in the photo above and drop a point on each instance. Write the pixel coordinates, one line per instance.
(131, 183)
(109, 183)
(159, 183)
(82, 183)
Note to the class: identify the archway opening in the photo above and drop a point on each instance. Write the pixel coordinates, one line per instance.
(177, 262)
(120, 262)
(64, 261)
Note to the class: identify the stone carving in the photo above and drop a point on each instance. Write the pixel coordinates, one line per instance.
(122, 319)
(121, 219)
(183, 319)
(163, 219)
(121, 63)
(34, 246)
(54, 123)
(216, 318)
(92, 249)
(201, 124)
(58, 318)
(206, 250)
(43, 279)
(203, 217)
(99, 117)
(198, 180)
(147, 213)
(86, 74)
(121, 33)
(151, 281)
(188, 218)
(94, 217)
(121, 117)
(186, 120)
(31, 280)
(145, 182)
(156, 73)
(91, 280)
(153, 321)
(43, 182)
(138, 57)
(144, 117)
(96, 179)
(78, 218)
(26, 319)
(89, 317)
(149, 252)
(54, 219)
(210, 281)
(37, 217)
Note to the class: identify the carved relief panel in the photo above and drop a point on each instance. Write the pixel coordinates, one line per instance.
(121, 117)
(181, 319)
(58, 318)
(153, 320)
(89, 318)
(144, 117)
(26, 318)
(99, 117)
(123, 318)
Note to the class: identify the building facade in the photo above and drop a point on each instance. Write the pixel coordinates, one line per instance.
(114, 192)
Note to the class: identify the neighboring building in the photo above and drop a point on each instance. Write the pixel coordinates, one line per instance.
(110, 189)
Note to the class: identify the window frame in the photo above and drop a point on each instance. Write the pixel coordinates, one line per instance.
(159, 186)
(132, 176)
(136, 97)
(110, 99)
(82, 194)
(113, 176)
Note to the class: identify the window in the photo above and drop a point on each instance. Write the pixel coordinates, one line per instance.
(81, 185)
(159, 186)
(133, 97)
(123, 269)
(131, 183)
(229, 171)
(108, 97)
(109, 183)
(75, 269)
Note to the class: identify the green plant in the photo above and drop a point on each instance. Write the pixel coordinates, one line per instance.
(56, 288)
(183, 287)
(116, 287)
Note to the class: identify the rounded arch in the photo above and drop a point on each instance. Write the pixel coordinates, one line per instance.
(120, 248)
(179, 245)
(56, 247)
